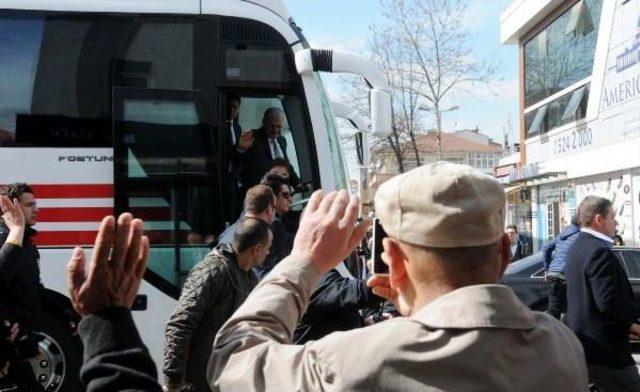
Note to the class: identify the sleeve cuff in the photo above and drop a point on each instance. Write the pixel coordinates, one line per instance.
(109, 329)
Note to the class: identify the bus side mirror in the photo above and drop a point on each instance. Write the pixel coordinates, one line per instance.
(380, 113)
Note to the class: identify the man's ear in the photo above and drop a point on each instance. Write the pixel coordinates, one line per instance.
(505, 253)
(395, 257)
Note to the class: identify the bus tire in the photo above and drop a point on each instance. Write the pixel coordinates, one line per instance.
(58, 366)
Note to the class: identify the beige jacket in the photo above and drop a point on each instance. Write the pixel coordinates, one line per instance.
(477, 338)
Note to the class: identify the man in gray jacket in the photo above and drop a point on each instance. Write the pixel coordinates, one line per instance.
(214, 289)
(446, 252)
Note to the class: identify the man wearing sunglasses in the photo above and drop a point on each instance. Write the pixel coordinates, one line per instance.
(282, 238)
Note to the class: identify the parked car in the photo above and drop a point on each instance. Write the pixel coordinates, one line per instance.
(526, 276)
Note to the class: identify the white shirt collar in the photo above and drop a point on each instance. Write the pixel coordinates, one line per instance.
(597, 234)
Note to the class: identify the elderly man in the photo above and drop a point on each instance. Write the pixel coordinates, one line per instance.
(601, 309)
(446, 252)
(268, 144)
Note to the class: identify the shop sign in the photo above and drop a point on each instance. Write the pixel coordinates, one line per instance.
(524, 172)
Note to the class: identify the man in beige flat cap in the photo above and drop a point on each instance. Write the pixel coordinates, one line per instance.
(446, 252)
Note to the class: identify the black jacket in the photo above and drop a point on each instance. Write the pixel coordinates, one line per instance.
(519, 252)
(214, 289)
(20, 277)
(115, 359)
(600, 305)
(257, 159)
(334, 306)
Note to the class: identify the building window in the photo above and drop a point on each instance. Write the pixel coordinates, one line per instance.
(562, 54)
(567, 108)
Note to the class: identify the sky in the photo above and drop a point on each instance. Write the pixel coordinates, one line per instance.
(344, 25)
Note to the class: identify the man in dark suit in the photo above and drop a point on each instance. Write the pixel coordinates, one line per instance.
(268, 144)
(516, 245)
(600, 306)
(236, 146)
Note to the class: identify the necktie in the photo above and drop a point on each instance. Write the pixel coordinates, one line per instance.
(275, 149)
(233, 134)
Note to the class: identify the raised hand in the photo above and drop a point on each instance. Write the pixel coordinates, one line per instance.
(328, 232)
(12, 213)
(119, 260)
(246, 140)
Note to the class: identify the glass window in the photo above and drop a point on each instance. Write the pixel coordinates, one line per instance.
(334, 142)
(537, 121)
(55, 75)
(244, 63)
(567, 108)
(632, 261)
(562, 54)
(160, 56)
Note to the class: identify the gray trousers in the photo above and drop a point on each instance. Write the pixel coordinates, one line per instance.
(615, 379)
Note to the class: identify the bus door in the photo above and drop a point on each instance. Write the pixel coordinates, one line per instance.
(166, 173)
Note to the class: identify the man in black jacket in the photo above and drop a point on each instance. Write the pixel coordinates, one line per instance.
(601, 308)
(20, 286)
(23, 279)
(335, 306)
(214, 289)
(517, 251)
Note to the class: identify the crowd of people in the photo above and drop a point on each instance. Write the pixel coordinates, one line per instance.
(271, 308)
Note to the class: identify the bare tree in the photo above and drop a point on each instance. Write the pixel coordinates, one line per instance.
(433, 34)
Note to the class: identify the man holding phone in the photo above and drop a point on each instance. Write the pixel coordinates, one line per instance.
(446, 252)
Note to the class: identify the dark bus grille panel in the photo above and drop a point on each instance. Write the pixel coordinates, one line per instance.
(236, 30)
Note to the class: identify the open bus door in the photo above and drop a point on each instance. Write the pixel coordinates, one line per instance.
(166, 173)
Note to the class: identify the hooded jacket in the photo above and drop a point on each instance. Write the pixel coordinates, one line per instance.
(555, 252)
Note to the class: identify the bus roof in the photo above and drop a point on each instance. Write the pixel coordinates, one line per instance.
(152, 6)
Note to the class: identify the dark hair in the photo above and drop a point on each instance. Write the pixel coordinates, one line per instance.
(514, 227)
(278, 162)
(233, 97)
(14, 191)
(275, 182)
(259, 198)
(591, 206)
(249, 233)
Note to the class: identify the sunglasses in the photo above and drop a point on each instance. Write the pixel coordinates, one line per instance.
(285, 194)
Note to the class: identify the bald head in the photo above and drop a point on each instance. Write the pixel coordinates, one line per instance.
(273, 121)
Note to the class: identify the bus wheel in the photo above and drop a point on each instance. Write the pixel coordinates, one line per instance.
(58, 366)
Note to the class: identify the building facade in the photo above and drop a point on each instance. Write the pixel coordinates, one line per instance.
(469, 147)
(579, 110)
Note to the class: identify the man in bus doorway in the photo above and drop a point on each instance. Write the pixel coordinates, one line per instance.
(268, 144)
(214, 289)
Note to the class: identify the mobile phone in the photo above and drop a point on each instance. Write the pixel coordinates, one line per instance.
(379, 266)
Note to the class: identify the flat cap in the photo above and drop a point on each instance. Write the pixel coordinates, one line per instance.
(442, 205)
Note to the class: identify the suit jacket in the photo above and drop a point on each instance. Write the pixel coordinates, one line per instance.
(258, 157)
(447, 345)
(600, 305)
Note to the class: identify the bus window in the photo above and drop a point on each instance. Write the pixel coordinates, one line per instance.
(55, 75)
(167, 174)
(159, 56)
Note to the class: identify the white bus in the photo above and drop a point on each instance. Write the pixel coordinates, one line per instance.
(112, 106)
